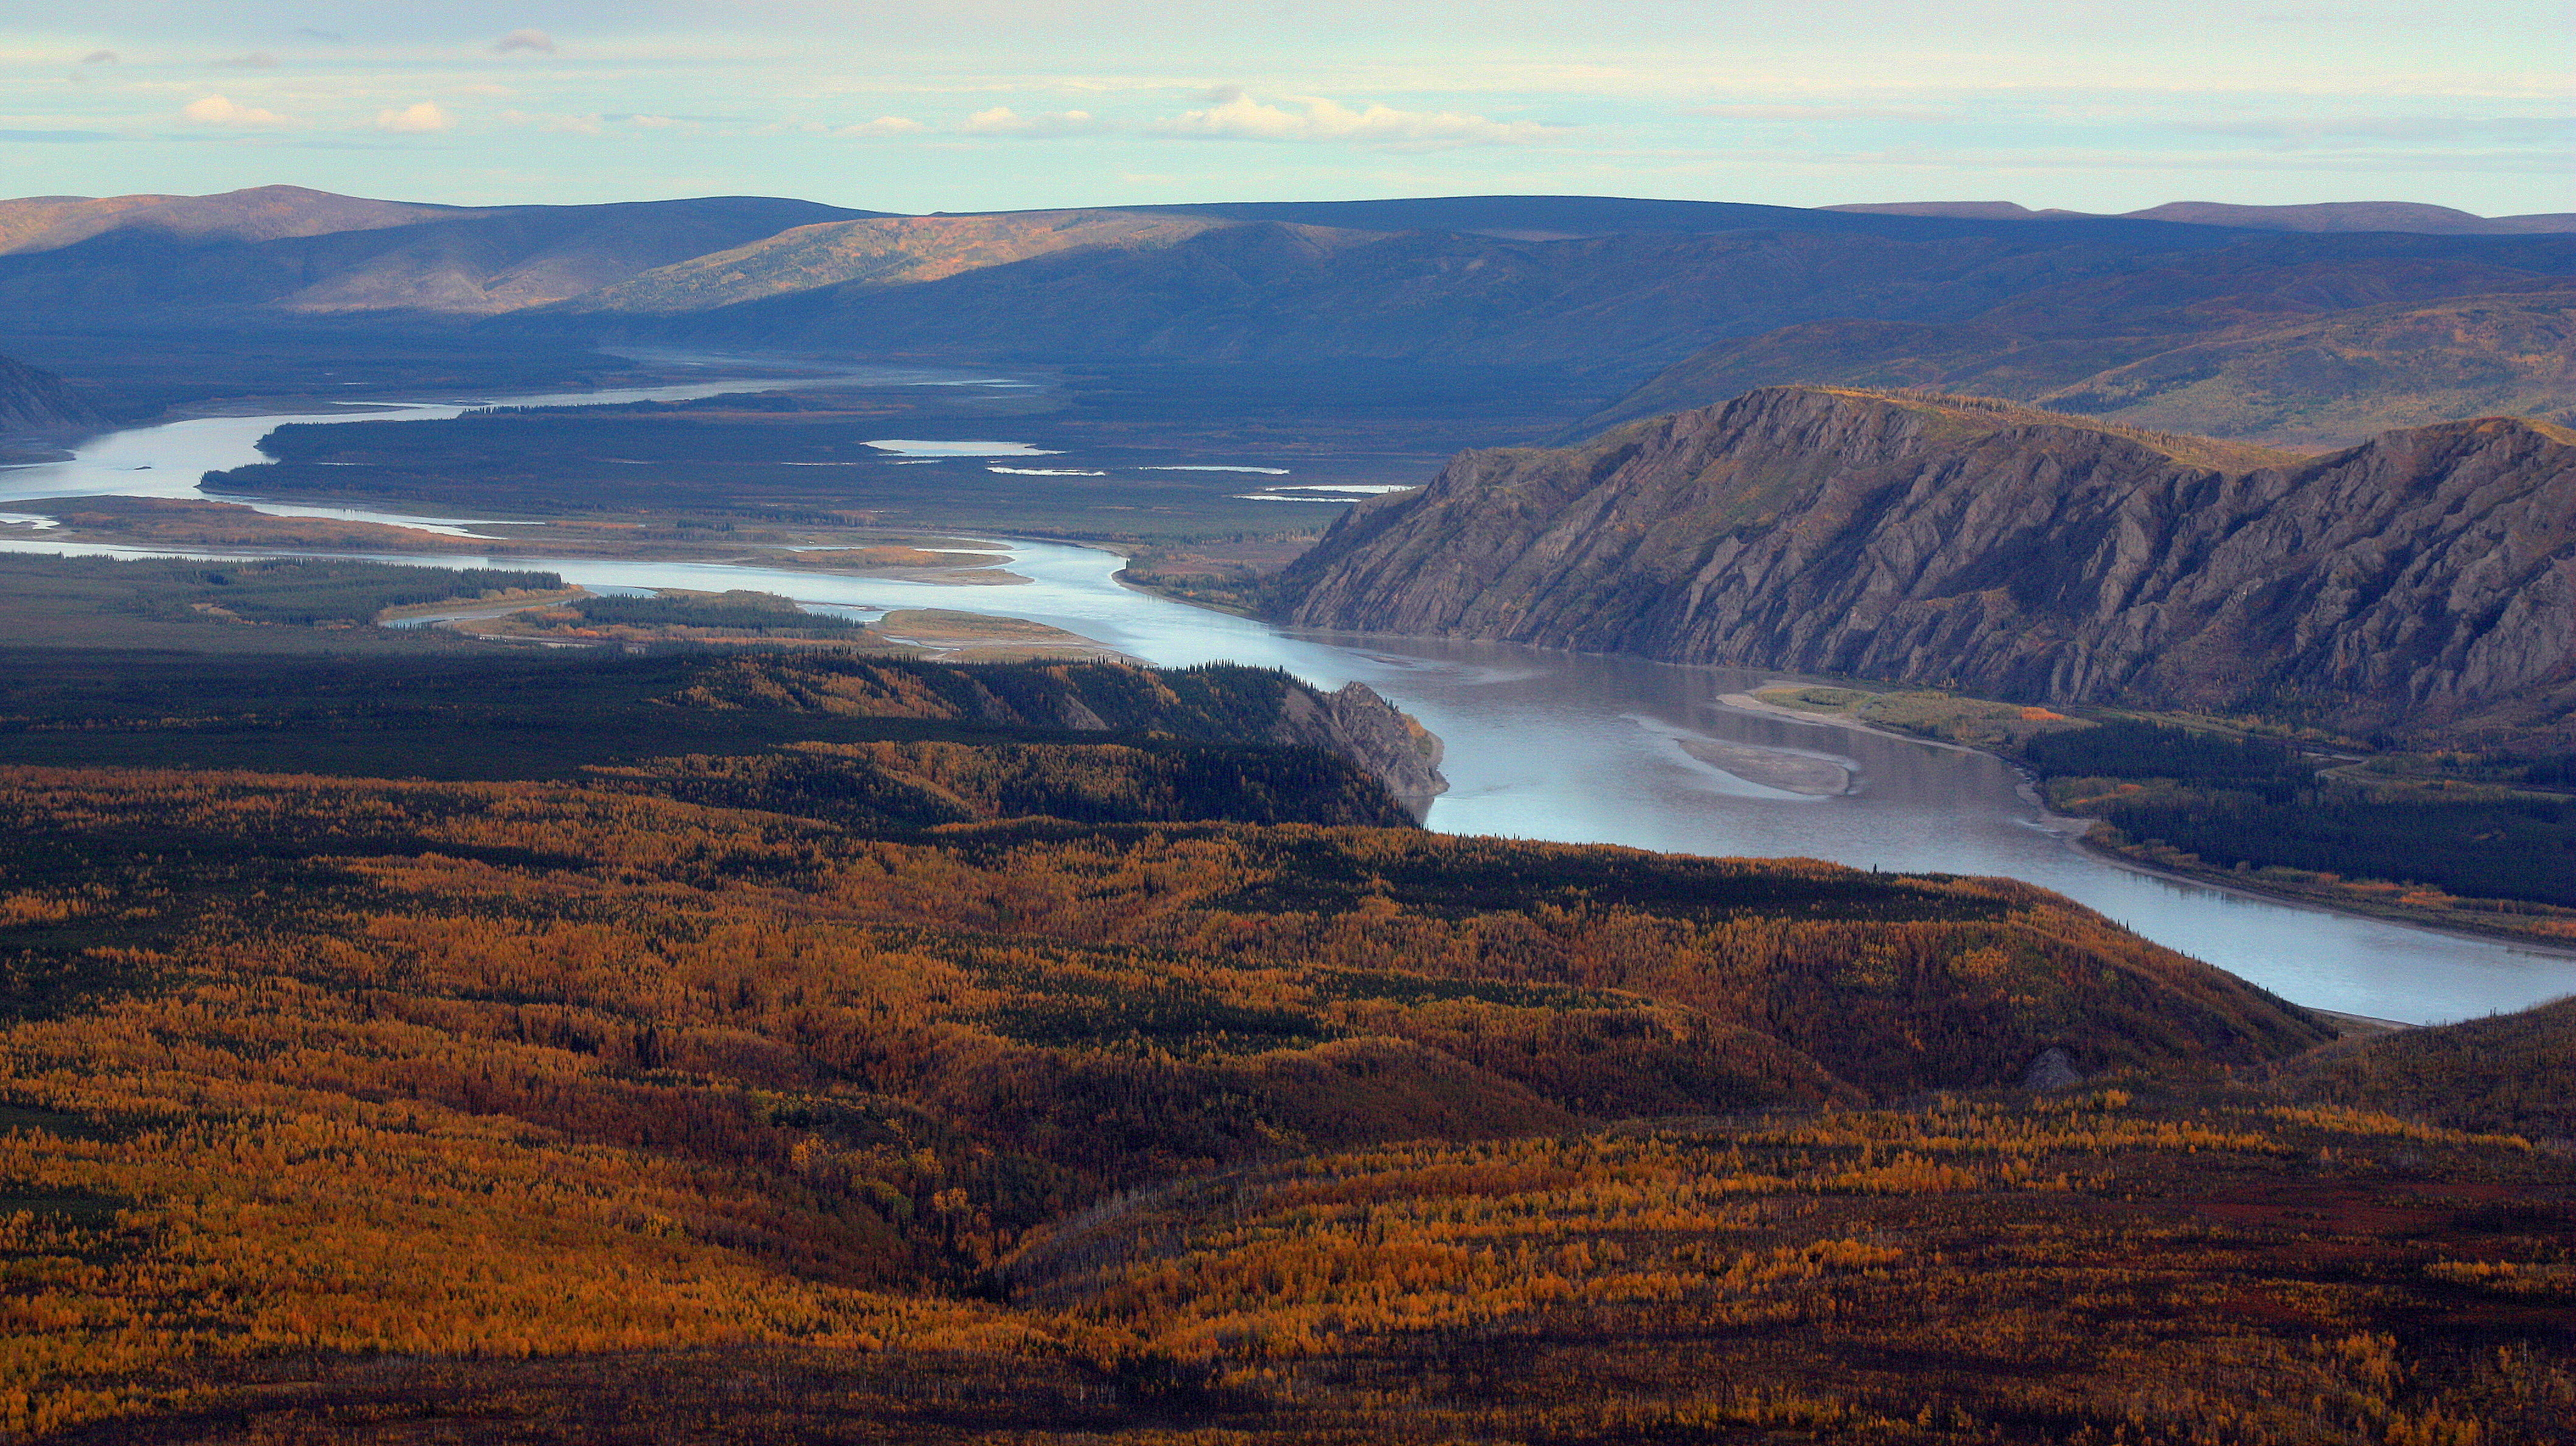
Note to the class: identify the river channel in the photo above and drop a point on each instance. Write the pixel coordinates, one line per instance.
(1541, 744)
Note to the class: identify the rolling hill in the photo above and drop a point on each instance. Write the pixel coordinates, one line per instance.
(2327, 216)
(282, 252)
(2278, 340)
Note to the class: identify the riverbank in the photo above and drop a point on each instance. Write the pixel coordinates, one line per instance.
(1543, 744)
(2228, 881)
(2550, 929)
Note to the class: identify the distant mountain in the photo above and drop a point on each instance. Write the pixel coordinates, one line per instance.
(2328, 216)
(2161, 319)
(877, 251)
(282, 249)
(263, 213)
(2310, 340)
(1558, 218)
(2424, 579)
(37, 401)
(1619, 306)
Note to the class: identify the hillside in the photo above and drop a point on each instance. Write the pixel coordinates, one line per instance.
(2176, 319)
(32, 400)
(734, 1047)
(586, 1116)
(2415, 582)
(2265, 340)
(1620, 304)
(2512, 1072)
(877, 251)
(2328, 216)
(285, 251)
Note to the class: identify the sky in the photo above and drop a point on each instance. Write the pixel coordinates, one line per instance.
(962, 105)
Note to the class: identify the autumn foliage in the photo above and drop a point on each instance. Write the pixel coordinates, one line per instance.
(993, 1091)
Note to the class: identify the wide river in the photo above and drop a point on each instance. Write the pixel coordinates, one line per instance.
(1541, 744)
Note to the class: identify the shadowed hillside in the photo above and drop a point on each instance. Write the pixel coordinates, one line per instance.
(2416, 582)
(2264, 341)
(2328, 216)
(37, 401)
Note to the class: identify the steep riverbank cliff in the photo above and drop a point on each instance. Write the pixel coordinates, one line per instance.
(37, 401)
(2426, 578)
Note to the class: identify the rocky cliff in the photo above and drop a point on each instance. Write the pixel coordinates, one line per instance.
(1358, 724)
(1214, 703)
(2425, 578)
(38, 401)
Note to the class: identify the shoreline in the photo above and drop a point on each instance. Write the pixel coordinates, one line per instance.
(2073, 828)
(2295, 901)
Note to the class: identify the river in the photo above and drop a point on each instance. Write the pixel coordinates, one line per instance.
(1541, 744)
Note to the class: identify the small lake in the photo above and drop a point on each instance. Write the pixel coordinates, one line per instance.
(1541, 744)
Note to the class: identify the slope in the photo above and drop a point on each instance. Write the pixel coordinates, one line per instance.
(2327, 216)
(284, 251)
(32, 400)
(1621, 304)
(2275, 340)
(877, 251)
(2419, 581)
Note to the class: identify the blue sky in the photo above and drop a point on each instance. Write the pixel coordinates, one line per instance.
(920, 105)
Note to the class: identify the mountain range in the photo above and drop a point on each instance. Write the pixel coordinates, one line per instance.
(283, 251)
(2289, 325)
(2424, 580)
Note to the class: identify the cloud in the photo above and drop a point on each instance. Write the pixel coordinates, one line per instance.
(579, 125)
(1001, 120)
(2361, 130)
(884, 125)
(101, 57)
(307, 30)
(420, 117)
(256, 60)
(56, 137)
(1235, 116)
(536, 40)
(1823, 112)
(217, 110)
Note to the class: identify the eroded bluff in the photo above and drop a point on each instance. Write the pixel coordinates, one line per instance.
(2425, 577)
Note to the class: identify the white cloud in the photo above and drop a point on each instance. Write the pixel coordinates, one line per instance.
(1001, 120)
(101, 57)
(217, 110)
(1235, 116)
(2359, 130)
(884, 125)
(579, 125)
(536, 40)
(419, 117)
(1825, 112)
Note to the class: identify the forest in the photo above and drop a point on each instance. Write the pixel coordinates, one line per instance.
(760, 1046)
(2478, 852)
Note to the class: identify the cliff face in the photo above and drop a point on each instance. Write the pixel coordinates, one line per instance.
(37, 401)
(2426, 576)
(1217, 703)
(1359, 725)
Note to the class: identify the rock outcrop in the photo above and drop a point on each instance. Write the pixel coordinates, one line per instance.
(33, 401)
(2427, 577)
(1214, 703)
(1358, 724)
